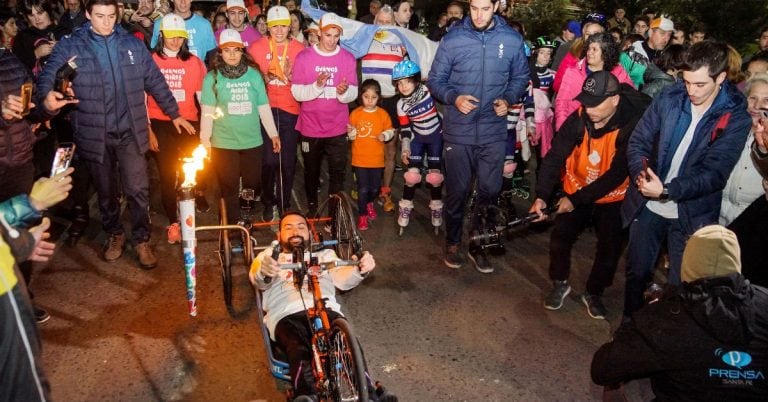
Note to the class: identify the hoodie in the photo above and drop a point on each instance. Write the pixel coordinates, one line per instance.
(704, 341)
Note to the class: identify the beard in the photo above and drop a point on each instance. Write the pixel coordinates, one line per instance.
(484, 27)
(294, 242)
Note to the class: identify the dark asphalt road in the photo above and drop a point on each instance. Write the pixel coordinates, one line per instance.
(429, 333)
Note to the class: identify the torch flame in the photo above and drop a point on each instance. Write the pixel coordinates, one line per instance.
(193, 164)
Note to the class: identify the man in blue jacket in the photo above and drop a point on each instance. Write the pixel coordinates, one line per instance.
(479, 70)
(110, 121)
(690, 139)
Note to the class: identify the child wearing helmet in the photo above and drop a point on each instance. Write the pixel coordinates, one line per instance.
(542, 77)
(421, 133)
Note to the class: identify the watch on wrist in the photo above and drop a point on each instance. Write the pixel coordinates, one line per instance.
(664, 193)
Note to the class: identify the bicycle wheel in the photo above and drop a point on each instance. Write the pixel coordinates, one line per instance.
(343, 228)
(346, 366)
(225, 255)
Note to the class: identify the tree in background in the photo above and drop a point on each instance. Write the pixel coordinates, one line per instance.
(542, 17)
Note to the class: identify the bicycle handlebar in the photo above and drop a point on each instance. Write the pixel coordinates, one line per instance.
(324, 266)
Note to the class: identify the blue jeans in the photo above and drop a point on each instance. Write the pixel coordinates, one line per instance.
(368, 184)
(123, 163)
(646, 234)
(462, 163)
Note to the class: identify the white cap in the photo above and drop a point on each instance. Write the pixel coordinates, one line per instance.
(278, 15)
(173, 26)
(663, 23)
(230, 37)
(329, 20)
(236, 4)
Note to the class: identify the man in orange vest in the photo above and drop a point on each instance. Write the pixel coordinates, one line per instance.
(588, 158)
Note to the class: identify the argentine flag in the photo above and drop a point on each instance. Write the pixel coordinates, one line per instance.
(357, 37)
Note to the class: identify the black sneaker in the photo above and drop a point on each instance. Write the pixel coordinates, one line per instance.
(595, 307)
(480, 259)
(201, 204)
(555, 298)
(41, 315)
(453, 258)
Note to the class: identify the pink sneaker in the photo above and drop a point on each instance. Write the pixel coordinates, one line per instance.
(174, 233)
(371, 211)
(362, 223)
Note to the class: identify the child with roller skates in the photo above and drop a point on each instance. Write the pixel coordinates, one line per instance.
(421, 134)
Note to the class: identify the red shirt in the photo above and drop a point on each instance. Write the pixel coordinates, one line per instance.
(184, 79)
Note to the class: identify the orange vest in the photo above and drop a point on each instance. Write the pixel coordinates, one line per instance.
(590, 160)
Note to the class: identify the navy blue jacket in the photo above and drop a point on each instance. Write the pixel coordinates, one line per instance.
(102, 84)
(488, 65)
(705, 169)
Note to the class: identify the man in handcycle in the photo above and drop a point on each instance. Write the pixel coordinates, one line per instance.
(284, 305)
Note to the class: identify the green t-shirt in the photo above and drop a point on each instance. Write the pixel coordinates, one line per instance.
(237, 125)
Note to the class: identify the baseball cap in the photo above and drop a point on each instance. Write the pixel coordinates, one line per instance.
(597, 87)
(663, 23)
(236, 4)
(278, 15)
(230, 37)
(329, 20)
(312, 27)
(173, 26)
(574, 27)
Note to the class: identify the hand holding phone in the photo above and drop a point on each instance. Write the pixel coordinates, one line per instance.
(645, 170)
(26, 97)
(63, 158)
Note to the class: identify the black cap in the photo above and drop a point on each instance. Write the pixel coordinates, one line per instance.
(597, 87)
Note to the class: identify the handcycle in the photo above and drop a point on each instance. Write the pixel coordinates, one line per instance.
(338, 364)
(334, 218)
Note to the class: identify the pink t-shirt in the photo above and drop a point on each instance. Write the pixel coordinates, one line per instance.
(249, 35)
(324, 116)
(184, 78)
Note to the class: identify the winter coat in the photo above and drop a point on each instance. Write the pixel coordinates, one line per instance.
(655, 80)
(697, 189)
(707, 341)
(488, 65)
(28, 40)
(16, 136)
(573, 80)
(630, 109)
(137, 73)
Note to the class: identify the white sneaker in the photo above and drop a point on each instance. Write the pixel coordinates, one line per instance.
(436, 206)
(404, 215)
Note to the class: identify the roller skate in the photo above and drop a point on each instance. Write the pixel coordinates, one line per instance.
(436, 208)
(404, 214)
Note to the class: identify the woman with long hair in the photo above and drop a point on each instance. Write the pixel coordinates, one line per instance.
(297, 27)
(602, 53)
(234, 101)
(184, 73)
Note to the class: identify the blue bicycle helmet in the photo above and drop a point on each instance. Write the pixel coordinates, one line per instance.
(406, 69)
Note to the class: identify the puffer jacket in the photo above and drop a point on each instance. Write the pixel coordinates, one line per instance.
(698, 188)
(16, 137)
(139, 73)
(707, 341)
(488, 65)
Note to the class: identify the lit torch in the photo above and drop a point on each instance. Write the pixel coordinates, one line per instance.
(187, 217)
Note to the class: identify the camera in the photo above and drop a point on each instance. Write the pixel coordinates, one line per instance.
(65, 75)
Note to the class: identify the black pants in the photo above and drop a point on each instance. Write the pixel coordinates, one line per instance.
(23, 376)
(14, 181)
(230, 165)
(294, 336)
(276, 191)
(368, 185)
(334, 149)
(751, 230)
(610, 242)
(173, 146)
